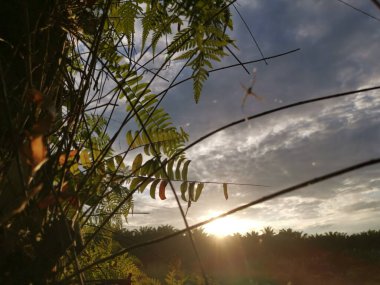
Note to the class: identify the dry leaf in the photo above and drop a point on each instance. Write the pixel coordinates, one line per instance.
(36, 96)
(62, 157)
(38, 150)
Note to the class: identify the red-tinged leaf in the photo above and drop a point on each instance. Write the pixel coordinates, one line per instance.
(36, 96)
(62, 157)
(162, 189)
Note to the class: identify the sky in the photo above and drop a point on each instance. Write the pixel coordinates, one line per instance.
(339, 51)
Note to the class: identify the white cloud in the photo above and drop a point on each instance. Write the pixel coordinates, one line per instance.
(311, 31)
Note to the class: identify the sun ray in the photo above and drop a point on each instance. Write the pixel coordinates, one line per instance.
(229, 225)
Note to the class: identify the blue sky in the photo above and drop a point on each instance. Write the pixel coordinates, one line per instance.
(339, 51)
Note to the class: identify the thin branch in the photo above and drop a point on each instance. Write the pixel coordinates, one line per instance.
(250, 32)
(212, 182)
(233, 65)
(237, 59)
(118, 213)
(359, 10)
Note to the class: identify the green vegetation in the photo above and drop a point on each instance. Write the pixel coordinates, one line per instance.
(65, 66)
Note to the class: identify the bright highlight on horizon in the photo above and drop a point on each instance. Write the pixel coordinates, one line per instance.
(229, 225)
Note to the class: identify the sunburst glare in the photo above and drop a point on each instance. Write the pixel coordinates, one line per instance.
(229, 225)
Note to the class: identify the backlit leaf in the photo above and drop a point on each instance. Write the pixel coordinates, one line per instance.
(135, 182)
(129, 138)
(170, 169)
(146, 150)
(191, 191)
(178, 169)
(153, 188)
(198, 191)
(85, 158)
(119, 162)
(185, 169)
(74, 169)
(145, 184)
(137, 163)
(38, 150)
(96, 153)
(111, 165)
(225, 191)
(183, 190)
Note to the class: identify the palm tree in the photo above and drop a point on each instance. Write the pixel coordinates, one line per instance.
(267, 232)
(291, 234)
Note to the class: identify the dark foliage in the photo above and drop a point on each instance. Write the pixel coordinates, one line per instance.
(267, 258)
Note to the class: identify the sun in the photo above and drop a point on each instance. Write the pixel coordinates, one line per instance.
(229, 225)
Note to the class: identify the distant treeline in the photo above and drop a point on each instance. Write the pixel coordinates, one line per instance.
(284, 257)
